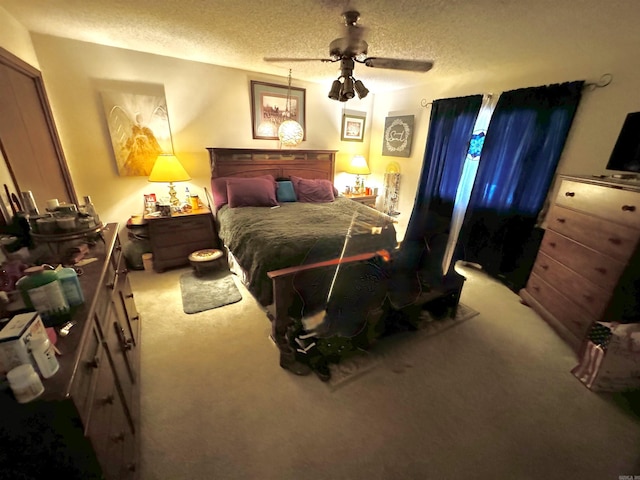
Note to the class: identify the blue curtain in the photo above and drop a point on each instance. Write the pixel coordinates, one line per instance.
(450, 128)
(522, 148)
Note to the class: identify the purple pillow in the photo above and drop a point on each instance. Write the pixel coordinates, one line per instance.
(219, 188)
(251, 192)
(313, 191)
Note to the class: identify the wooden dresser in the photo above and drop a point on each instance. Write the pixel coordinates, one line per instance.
(174, 238)
(86, 424)
(587, 268)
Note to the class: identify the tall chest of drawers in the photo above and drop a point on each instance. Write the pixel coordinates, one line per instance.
(588, 265)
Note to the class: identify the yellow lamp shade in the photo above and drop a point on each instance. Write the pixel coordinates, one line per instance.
(358, 166)
(168, 169)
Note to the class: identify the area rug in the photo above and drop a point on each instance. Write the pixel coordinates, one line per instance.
(382, 353)
(207, 291)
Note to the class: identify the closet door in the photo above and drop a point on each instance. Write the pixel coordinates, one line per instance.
(29, 138)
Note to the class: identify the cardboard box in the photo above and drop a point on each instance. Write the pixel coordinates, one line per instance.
(14, 340)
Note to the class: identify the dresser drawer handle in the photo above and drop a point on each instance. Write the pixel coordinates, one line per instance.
(130, 295)
(628, 208)
(117, 438)
(108, 400)
(552, 244)
(569, 194)
(560, 220)
(615, 241)
(536, 288)
(587, 297)
(601, 270)
(544, 267)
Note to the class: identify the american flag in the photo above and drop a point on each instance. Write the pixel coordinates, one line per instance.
(587, 370)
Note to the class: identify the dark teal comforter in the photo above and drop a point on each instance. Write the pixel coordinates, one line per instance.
(263, 239)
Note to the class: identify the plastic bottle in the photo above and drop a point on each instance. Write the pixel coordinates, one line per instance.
(91, 210)
(44, 355)
(71, 286)
(187, 195)
(25, 383)
(41, 290)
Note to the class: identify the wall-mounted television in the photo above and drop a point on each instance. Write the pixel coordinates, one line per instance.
(626, 152)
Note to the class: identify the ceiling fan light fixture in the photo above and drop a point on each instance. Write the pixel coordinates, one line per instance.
(360, 89)
(347, 89)
(334, 93)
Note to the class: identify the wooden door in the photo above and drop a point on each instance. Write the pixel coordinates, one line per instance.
(32, 148)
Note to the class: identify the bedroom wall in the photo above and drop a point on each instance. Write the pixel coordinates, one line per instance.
(595, 128)
(15, 38)
(208, 106)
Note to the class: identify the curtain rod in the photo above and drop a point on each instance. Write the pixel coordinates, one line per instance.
(605, 79)
(425, 104)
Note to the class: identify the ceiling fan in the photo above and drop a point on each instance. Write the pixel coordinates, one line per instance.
(352, 48)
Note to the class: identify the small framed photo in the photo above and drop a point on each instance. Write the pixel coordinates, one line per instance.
(269, 108)
(353, 127)
(150, 203)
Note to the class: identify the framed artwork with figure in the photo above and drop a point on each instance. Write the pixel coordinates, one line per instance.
(353, 127)
(139, 130)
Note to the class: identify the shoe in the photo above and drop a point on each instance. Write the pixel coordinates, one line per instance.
(323, 372)
(289, 362)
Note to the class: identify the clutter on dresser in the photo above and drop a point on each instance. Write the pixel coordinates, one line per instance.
(65, 218)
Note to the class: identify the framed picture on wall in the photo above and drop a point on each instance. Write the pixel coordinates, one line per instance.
(398, 133)
(139, 130)
(269, 108)
(353, 126)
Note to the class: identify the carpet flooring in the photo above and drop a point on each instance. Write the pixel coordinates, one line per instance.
(386, 351)
(207, 291)
(491, 398)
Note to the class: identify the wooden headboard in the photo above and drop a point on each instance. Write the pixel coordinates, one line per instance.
(250, 162)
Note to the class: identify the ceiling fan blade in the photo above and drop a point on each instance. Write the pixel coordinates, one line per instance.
(398, 64)
(287, 59)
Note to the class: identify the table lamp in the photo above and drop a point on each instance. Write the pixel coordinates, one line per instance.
(358, 166)
(168, 169)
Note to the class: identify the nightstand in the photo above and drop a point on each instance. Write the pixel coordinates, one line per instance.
(368, 200)
(176, 237)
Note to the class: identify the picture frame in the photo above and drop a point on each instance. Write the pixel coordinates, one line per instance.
(398, 135)
(353, 127)
(150, 203)
(139, 129)
(268, 105)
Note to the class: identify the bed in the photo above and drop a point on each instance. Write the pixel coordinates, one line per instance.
(263, 239)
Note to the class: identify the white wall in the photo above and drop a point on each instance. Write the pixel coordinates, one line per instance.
(209, 106)
(15, 38)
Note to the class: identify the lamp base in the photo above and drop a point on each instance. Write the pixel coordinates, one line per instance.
(358, 186)
(173, 197)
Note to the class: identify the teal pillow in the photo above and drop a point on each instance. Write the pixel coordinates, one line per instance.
(285, 192)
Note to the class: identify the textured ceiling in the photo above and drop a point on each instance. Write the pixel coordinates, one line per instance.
(459, 36)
